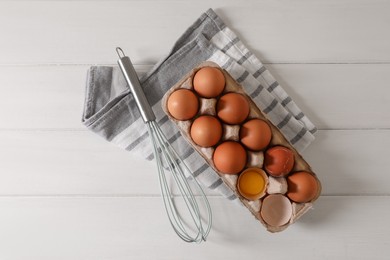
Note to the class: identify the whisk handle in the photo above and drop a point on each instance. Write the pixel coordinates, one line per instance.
(135, 87)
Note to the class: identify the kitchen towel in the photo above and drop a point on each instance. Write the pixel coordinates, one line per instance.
(110, 110)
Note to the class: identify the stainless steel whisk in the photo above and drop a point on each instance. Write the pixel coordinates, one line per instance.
(168, 161)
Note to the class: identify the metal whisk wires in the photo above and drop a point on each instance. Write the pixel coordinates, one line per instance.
(168, 161)
(166, 157)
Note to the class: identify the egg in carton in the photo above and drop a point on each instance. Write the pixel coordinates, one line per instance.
(261, 167)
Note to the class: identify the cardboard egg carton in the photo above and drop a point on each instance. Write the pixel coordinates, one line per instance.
(231, 132)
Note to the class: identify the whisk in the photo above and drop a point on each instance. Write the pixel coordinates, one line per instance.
(168, 161)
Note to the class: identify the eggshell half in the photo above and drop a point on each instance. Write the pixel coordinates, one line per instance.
(276, 210)
(278, 161)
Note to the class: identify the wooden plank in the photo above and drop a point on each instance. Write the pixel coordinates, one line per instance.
(137, 228)
(54, 96)
(339, 95)
(348, 162)
(67, 162)
(277, 31)
(331, 95)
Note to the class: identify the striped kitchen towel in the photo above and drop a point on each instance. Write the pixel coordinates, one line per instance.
(111, 112)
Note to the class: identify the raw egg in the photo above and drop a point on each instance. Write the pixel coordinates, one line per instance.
(233, 108)
(229, 157)
(206, 131)
(302, 187)
(209, 82)
(183, 104)
(255, 134)
(276, 210)
(278, 161)
(252, 183)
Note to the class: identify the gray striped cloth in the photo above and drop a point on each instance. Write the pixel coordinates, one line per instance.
(111, 112)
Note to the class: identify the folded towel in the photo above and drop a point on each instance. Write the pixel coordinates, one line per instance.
(110, 110)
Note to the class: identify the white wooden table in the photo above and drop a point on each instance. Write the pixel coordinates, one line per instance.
(60, 200)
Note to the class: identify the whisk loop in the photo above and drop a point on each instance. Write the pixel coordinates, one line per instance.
(167, 157)
(168, 161)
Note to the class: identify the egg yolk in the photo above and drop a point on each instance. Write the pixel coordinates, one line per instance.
(251, 183)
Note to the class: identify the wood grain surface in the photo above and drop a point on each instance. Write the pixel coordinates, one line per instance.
(60, 197)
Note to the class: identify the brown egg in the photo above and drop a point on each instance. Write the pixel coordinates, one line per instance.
(183, 104)
(255, 134)
(209, 82)
(206, 131)
(233, 108)
(229, 157)
(278, 161)
(302, 187)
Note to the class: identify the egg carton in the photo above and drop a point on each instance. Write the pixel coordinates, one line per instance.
(275, 185)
